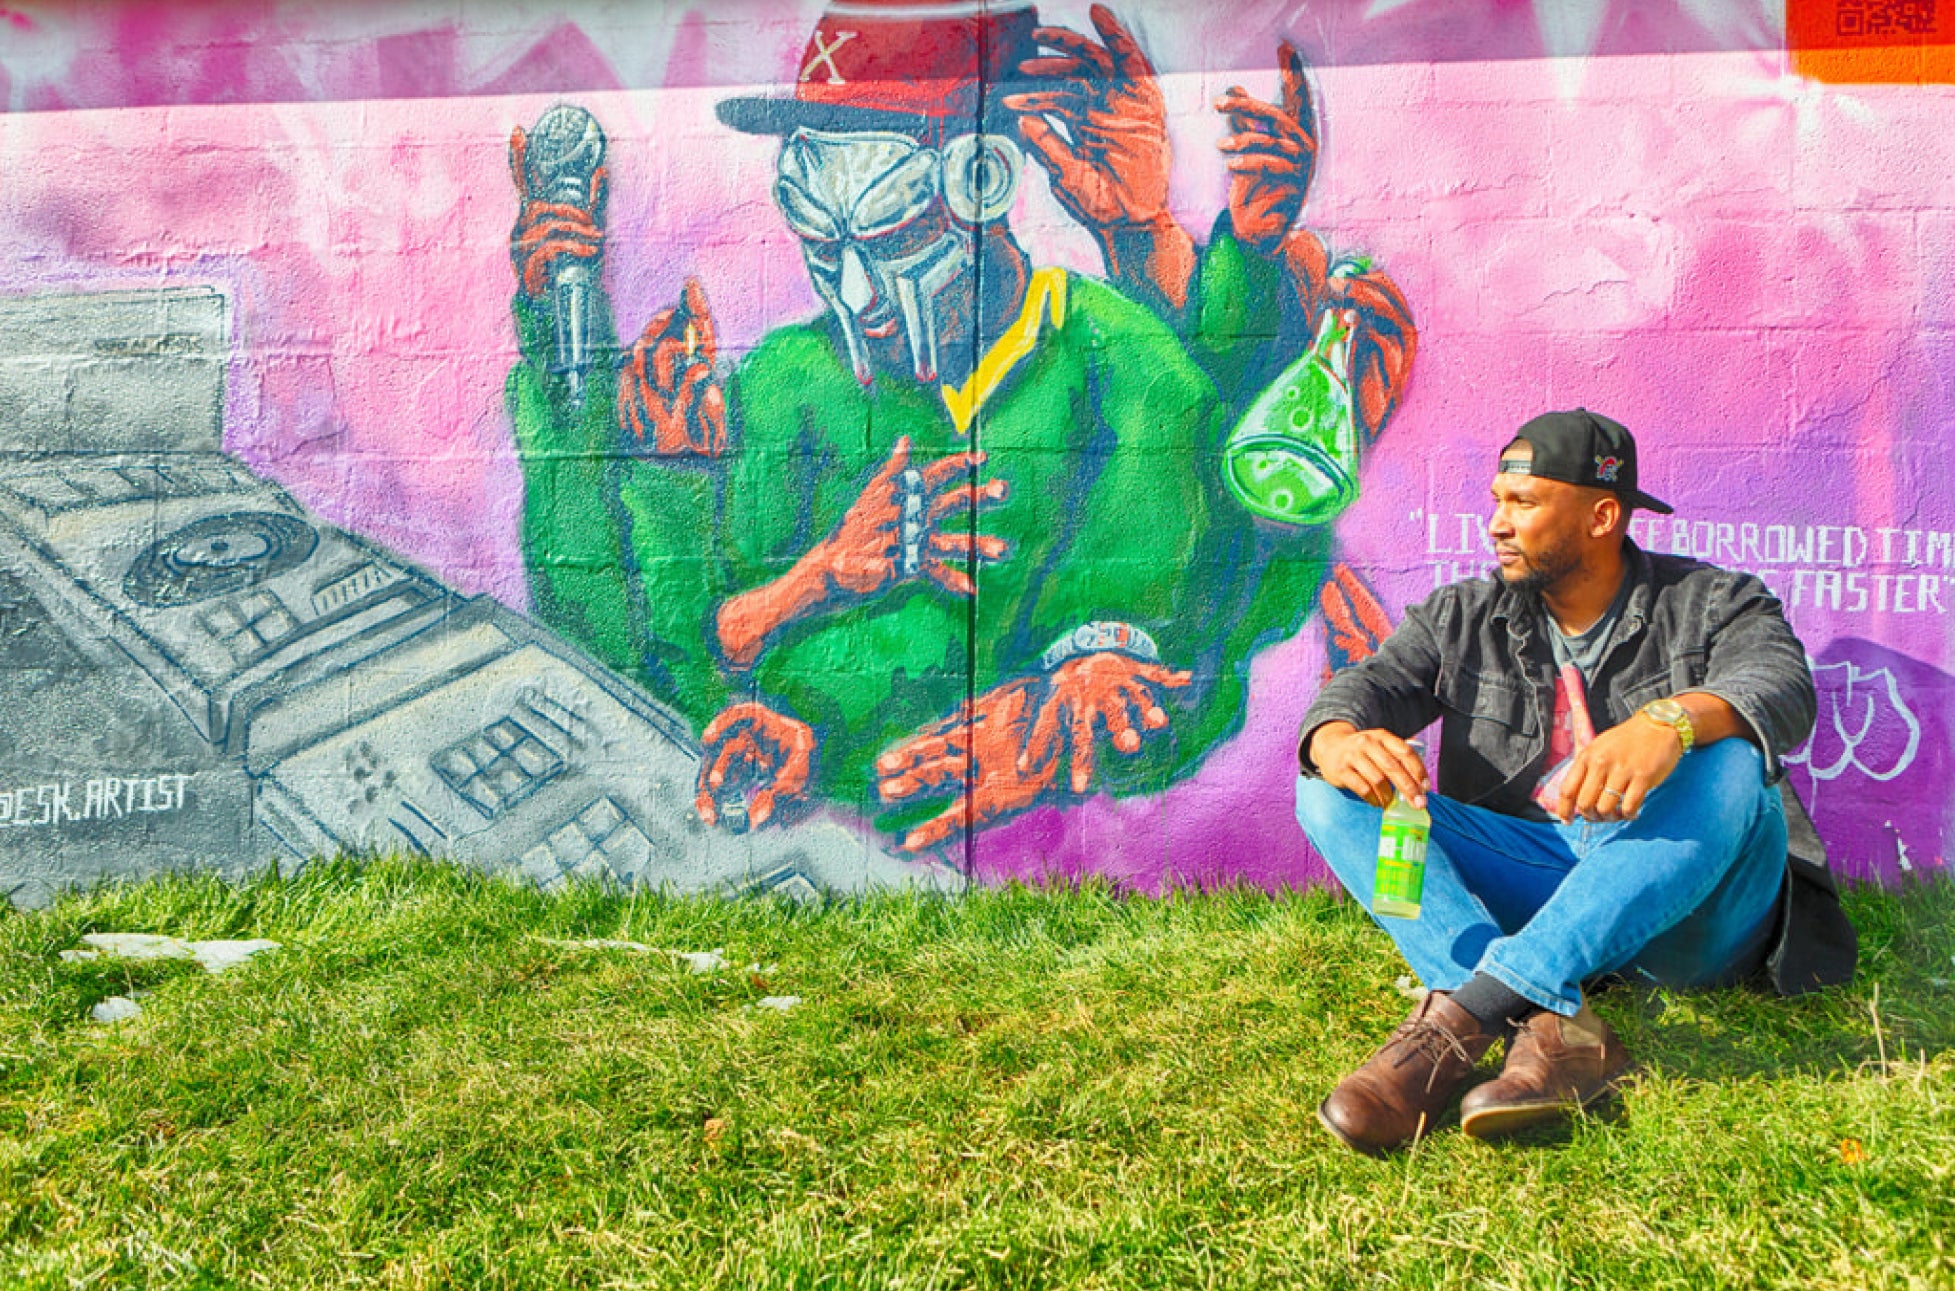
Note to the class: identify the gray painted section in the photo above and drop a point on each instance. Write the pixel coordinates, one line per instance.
(198, 673)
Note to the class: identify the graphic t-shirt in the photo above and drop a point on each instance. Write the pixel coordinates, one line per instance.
(1577, 656)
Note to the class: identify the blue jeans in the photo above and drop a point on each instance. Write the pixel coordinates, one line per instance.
(1683, 894)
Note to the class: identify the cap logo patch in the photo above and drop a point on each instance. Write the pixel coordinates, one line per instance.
(1607, 468)
(824, 53)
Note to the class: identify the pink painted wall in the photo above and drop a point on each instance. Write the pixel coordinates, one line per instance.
(1643, 210)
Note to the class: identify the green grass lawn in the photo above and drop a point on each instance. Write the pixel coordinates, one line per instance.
(1014, 1089)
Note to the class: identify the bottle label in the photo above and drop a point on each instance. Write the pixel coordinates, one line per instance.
(1401, 862)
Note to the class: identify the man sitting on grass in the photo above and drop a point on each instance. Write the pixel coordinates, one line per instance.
(1647, 839)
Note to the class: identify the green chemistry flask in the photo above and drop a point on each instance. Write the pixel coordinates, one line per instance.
(1293, 458)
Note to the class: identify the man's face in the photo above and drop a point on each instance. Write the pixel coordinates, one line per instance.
(1538, 526)
(877, 237)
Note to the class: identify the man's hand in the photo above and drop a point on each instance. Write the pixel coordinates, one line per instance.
(867, 552)
(1099, 128)
(547, 232)
(1370, 764)
(1615, 772)
(757, 753)
(1003, 758)
(1272, 154)
(669, 404)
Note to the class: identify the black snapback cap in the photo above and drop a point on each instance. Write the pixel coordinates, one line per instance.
(1585, 448)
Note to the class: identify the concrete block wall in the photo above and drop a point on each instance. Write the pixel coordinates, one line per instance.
(309, 540)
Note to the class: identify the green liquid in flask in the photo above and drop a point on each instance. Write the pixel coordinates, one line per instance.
(1293, 458)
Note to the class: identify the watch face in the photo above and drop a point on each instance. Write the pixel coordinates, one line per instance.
(1670, 713)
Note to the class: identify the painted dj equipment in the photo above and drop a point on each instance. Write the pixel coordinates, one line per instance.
(196, 672)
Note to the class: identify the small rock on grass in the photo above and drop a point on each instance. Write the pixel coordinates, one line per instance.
(701, 961)
(598, 943)
(779, 1003)
(215, 956)
(696, 961)
(139, 945)
(116, 1008)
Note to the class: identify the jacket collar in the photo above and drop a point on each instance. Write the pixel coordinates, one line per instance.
(1522, 613)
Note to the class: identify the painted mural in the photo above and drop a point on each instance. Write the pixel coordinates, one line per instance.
(818, 446)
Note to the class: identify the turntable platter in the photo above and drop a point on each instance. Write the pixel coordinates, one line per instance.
(218, 555)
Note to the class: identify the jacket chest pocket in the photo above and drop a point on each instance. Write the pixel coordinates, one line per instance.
(1632, 694)
(1490, 732)
(1500, 702)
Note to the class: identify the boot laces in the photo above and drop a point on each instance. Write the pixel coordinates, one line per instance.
(1432, 1042)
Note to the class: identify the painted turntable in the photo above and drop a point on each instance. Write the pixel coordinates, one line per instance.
(200, 673)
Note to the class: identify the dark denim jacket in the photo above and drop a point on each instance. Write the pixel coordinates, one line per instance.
(1476, 656)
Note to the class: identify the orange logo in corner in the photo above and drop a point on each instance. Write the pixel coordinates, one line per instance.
(1860, 42)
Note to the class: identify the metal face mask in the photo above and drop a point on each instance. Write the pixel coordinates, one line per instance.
(879, 240)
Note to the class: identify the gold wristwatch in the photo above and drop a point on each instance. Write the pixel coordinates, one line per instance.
(1668, 712)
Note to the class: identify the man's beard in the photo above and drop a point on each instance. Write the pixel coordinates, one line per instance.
(1544, 569)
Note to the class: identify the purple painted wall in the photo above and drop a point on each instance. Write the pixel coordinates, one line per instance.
(1638, 208)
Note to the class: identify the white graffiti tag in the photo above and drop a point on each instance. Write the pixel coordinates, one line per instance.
(1864, 725)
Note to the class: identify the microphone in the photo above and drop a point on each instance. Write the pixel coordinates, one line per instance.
(565, 149)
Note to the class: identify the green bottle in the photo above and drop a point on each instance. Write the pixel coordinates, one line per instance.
(1293, 458)
(1401, 876)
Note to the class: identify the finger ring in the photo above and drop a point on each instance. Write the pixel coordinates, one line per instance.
(1612, 793)
(912, 491)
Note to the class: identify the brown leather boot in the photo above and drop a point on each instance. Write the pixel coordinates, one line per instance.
(1398, 1094)
(1554, 1066)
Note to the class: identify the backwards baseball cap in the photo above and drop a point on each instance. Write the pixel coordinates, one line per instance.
(1585, 448)
(915, 66)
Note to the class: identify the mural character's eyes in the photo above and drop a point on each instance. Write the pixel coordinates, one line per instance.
(807, 217)
(898, 196)
(904, 240)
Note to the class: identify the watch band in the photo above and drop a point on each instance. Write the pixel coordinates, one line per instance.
(1102, 635)
(1670, 713)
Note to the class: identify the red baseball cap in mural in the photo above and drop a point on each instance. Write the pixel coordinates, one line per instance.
(903, 65)
(1585, 448)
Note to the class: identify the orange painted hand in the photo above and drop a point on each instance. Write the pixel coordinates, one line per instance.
(1272, 153)
(977, 751)
(669, 403)
(1110, 166)
(1003, 756)
(1115, 691)
(547, 232)
(1382, 344)
(756, 754)
(1355, 624)
(893, 531)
